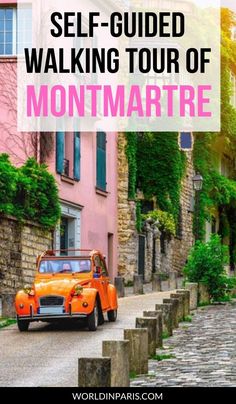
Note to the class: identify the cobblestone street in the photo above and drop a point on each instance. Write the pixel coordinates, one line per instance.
(203, 352)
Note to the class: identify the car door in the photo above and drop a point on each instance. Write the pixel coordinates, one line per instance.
(102, 280)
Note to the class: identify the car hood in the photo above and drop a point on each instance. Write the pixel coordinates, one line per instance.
(61, 287)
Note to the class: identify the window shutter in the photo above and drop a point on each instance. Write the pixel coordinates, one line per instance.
(60, 152)
(101, 161)
(77, 156)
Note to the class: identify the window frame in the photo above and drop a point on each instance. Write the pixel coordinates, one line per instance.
(14, 31)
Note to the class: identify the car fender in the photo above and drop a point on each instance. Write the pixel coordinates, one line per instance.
(89, 296)
(27, 301)
(112, 297)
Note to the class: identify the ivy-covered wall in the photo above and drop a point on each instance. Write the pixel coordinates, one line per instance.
(162, 173)
(218, 196)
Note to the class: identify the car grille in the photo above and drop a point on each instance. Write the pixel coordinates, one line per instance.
(51, 301)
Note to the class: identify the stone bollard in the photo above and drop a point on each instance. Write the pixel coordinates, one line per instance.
(186, 294)
(203, 294)
(138, 284)
(94, 372)
(151, 324)
(180, 297)
(156, 283)
(173, 280)
(158, 315)
(193, 289)
(167, 322)
(8, 305)
(175, 306)
(120, 286)
(138, 350)
(118, 351)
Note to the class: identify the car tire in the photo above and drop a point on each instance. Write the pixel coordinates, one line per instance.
(93, 319)
(23, 325)
(112, 315)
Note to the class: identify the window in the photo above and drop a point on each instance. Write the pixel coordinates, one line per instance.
(101, 161)
(185, 141)
(13, 40)
(7, 31)
(68, 154)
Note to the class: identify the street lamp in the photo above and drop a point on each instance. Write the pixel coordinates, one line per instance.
(197, 186)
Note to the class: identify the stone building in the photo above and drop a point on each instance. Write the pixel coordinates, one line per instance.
(148, 252)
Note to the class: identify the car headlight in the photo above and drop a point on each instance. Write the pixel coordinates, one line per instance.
(78, 290)
(28, 290)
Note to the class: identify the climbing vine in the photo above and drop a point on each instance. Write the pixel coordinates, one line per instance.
(160, 168)
(156, 167)
(219, 192)
(131, 151)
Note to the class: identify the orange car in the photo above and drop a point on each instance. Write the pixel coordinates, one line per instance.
(75, 285)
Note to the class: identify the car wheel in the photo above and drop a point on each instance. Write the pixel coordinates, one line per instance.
(112, 315)
(93, 319)
(23, 325)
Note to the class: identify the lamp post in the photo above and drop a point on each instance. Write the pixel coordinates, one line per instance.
(197, 186)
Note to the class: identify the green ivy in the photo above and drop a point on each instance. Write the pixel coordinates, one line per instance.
(156, 166)
(29, 192)
(131, 151)
(160, 169)
(219, 192)
(139, 219)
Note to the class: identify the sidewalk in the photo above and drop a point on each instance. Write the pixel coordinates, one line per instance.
(203, 352)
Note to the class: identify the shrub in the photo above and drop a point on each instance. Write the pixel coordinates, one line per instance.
(206, 264)
(8, 179)
(37, 194)
(166, 221)
(29, 192)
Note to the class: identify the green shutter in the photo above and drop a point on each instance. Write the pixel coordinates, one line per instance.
(77, 156)
(60, 151)
(101, 161)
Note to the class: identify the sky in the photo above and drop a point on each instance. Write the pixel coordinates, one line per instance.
(229, 3)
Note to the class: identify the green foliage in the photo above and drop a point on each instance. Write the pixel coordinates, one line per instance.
(8, 180)
(132, 375)
(206, 264)
(29, 192)
(158, 357)
(165, 335)
(187, 319)
(138, 217)
(160, 168)
(131, 150)
(166, 221)
(4, 322)
(218, 191)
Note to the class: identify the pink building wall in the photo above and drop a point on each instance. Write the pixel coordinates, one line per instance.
(98, 209)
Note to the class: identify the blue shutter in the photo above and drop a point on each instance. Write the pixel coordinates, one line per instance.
(60, 152)
(101, 161)
(77, 156)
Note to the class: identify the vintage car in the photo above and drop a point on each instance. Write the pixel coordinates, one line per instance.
(69, 284)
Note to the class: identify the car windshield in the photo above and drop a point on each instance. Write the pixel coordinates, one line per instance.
(65, 266)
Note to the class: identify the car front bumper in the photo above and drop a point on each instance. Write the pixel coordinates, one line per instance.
(40, 317)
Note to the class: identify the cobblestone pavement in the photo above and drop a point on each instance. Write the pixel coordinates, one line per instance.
(204, 352)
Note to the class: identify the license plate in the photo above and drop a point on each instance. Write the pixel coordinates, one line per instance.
(51, 310)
